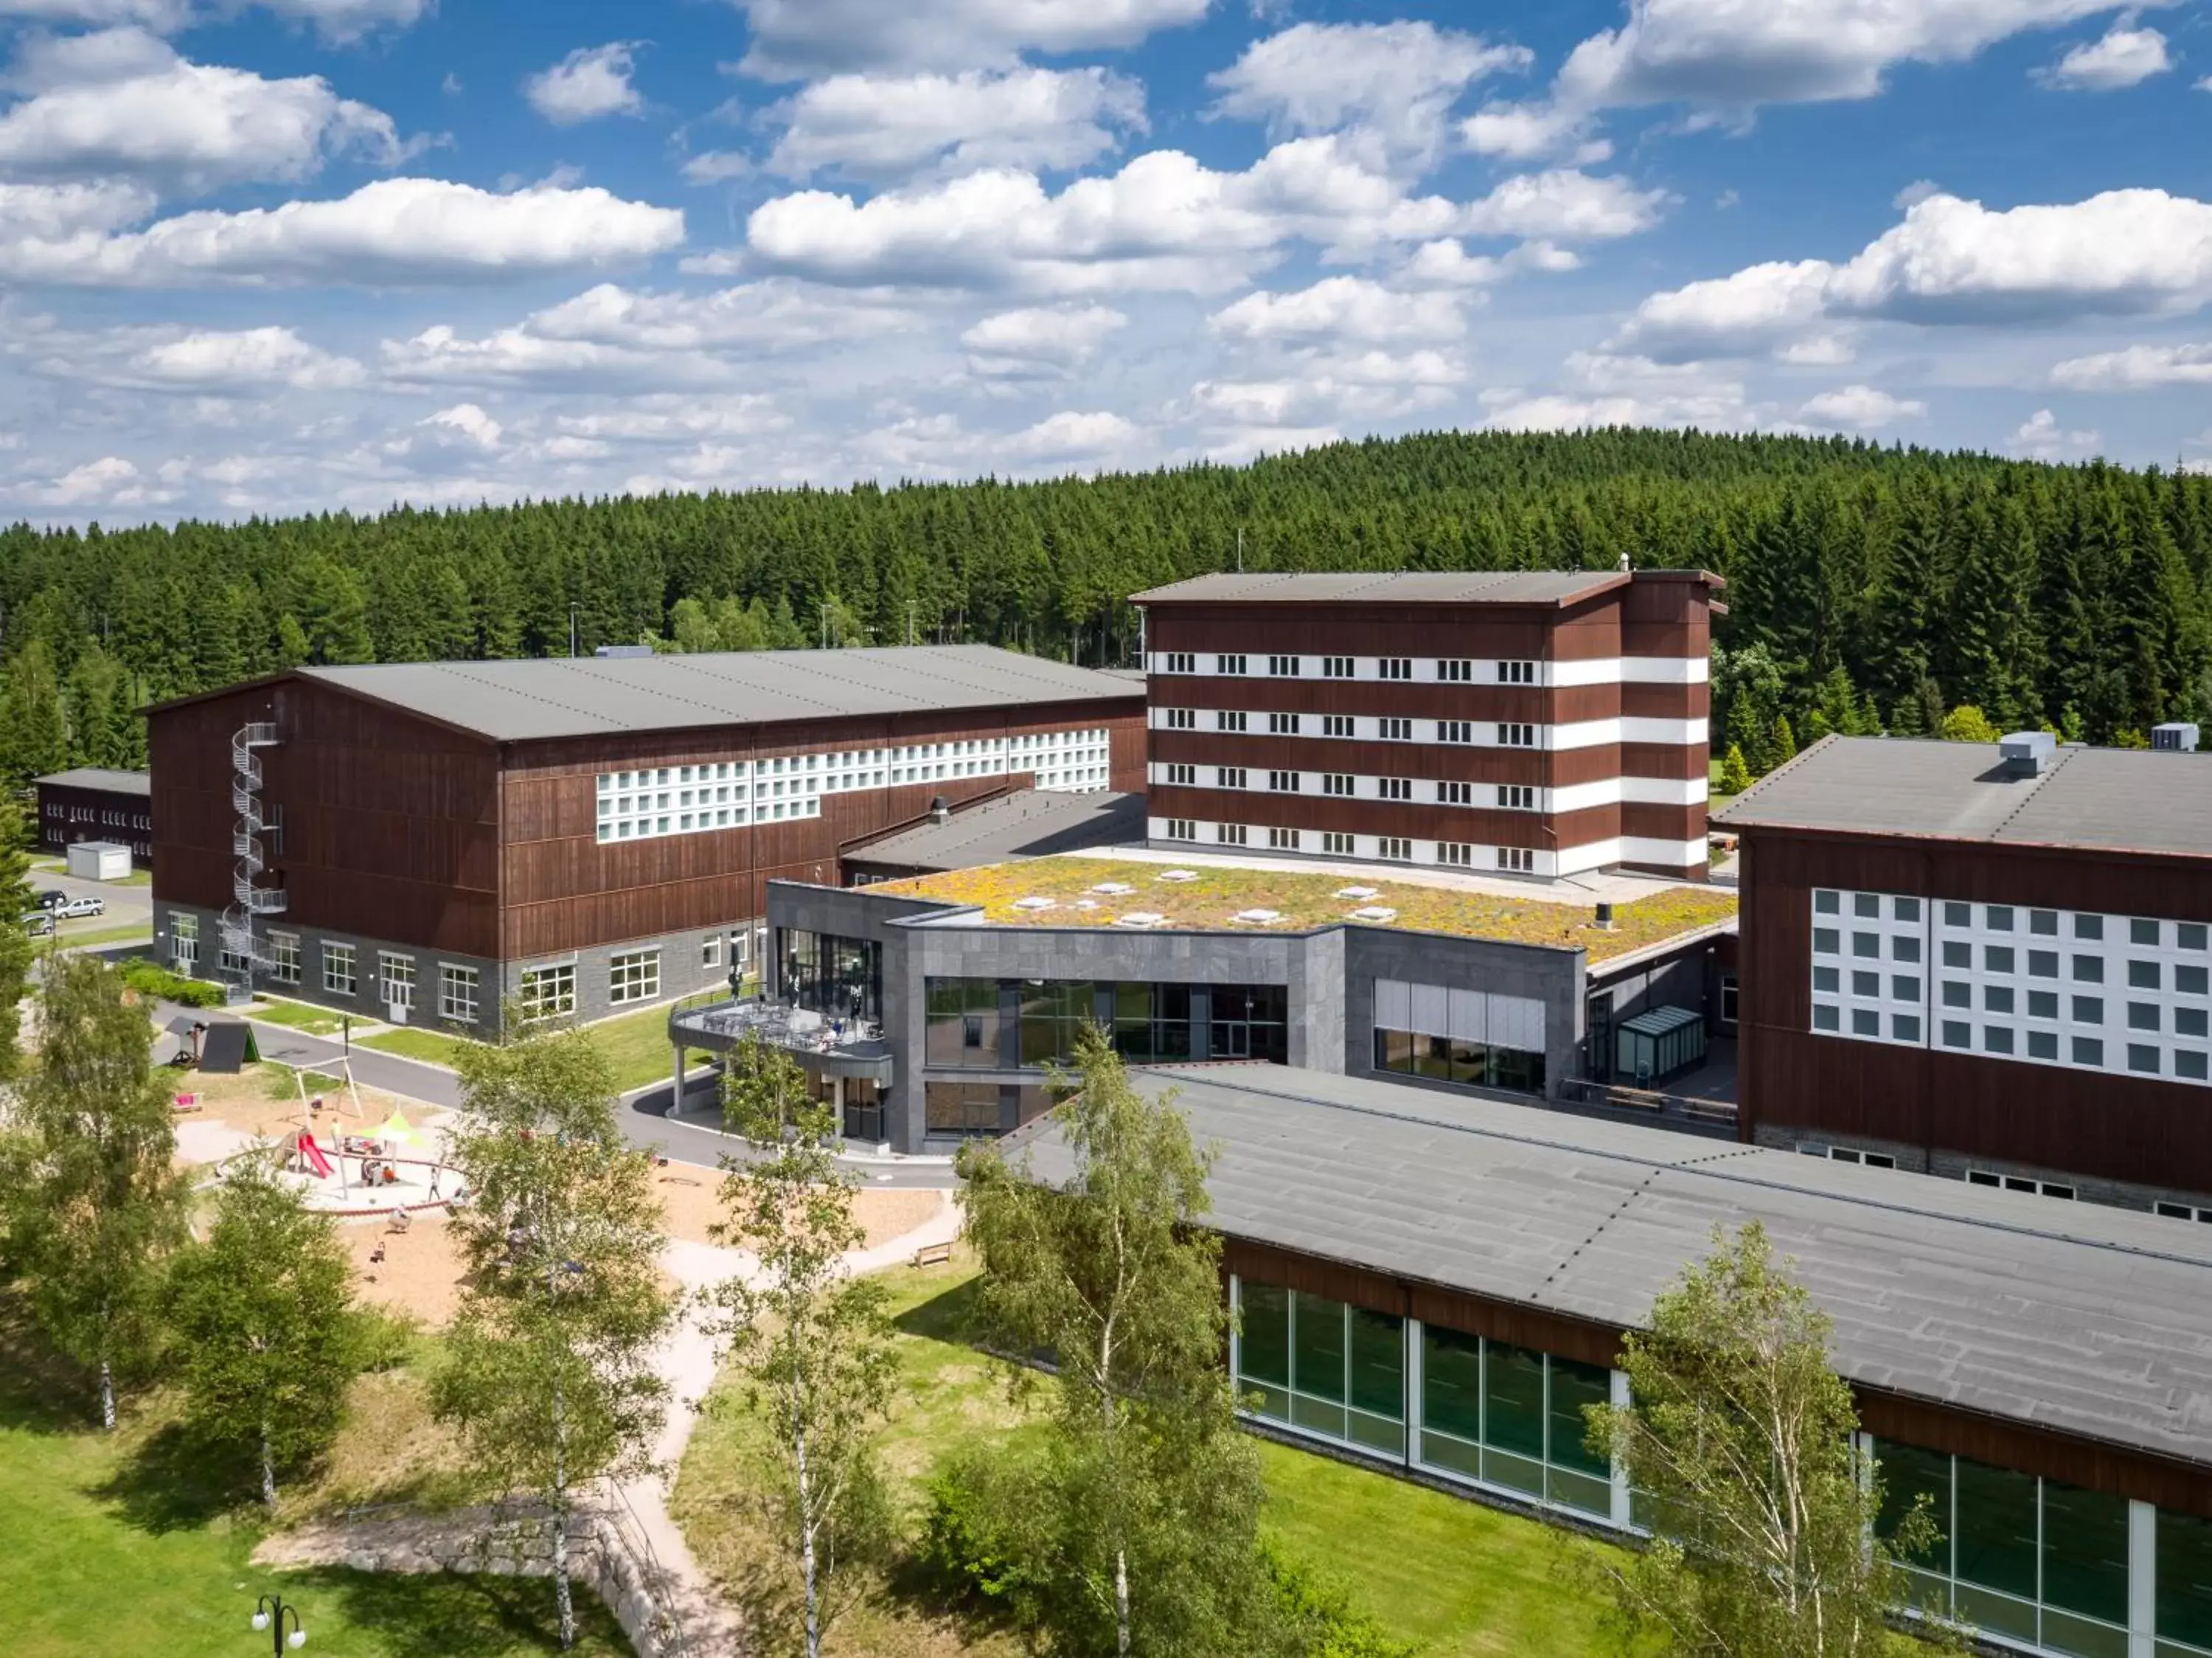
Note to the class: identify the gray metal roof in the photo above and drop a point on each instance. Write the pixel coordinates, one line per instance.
(2077, 1318)
(1386, 587)
(1026, 824)
(535, 698)
(101, 777)
(2115, 799)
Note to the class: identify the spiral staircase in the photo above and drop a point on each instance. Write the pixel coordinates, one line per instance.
(242, 943)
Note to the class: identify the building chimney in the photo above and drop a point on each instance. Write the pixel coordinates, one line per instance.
(938, 811)
(2027, 753)
(1605, 918)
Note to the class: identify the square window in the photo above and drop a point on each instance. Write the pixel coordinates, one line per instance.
(1866, 984)
(2043, 1045)
(1827, 903)
(2044, 921)
(1824, 1017)
(2189, 1062)
(1904, 1026)
(1865, 1022)
(1958, 915)
(1958, 994)
(2141, 931)
(1998, 918)
(2143, 975)
(1905, 908)
(1997, 958)
(2188, 1022)
(2088, 970)
(1904, 950)
(2144, 1057)
(1826, 978)
(2189, 981)
(1956, 954)
(1997, 998)
(1826, 940)
(1904, 987)
(1957, 1033)
(1867, 904)
(2088, 1010)
(1997, 1039)
(2043, 1004)
(2188, 935)
(2089, 927)
(2043, 964)
(2143, 1016)
(2088, 1051)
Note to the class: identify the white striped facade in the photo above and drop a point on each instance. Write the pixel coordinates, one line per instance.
(1475, 857)
(1470, 671)
(1482, 796)
(1482, 734)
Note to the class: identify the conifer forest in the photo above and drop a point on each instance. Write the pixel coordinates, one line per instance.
(1869, 588)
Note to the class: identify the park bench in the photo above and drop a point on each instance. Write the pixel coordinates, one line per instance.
(932, 1254)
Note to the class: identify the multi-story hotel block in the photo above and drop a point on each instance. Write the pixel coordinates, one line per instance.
(1533, 723)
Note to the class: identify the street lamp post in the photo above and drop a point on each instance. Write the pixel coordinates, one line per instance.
(270, 1615)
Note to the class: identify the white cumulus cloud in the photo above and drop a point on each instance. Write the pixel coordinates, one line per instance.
(797, 40)
(1398, 80)
(336, 20)
(1039, 340)
(1343, 309)
(468, 421)
(1860, 408)
(123, 105)
(1565, 206)
(244, 359)
(888, 126)
(2121, 58)
(590, 82)
(2136, 368)
(396, 231)
(2041, 436)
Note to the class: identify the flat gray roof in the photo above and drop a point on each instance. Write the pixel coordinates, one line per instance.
(2112, 799)
(1026, 824)
(101, 777)
(535, 698)
(1386, 587)
(2075, 1317)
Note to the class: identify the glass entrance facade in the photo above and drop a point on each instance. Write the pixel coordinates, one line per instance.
(836, 977)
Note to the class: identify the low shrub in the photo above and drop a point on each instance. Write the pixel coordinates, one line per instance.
(979, 1535)
(1326, 1622)
(149, 979)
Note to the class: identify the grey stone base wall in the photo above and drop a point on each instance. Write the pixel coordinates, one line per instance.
(1953, 1166)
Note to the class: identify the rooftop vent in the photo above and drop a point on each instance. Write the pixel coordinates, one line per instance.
(1375, 912)
(623, 650)
(2179, 738)
(1258, 917)
(1359, 892)
(1605, 918)
(938, 811)
(2027, 753)
(1139, 918)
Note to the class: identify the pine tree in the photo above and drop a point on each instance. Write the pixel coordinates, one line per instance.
(33, 722)
(1735, 775)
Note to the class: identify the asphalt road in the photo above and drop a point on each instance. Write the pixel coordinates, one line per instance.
(646, 1121)
(127, 906)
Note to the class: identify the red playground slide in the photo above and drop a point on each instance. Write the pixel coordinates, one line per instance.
(313, 1153)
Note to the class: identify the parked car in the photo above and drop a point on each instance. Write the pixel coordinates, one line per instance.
(37, 923)
(88, 905)
(50, 897)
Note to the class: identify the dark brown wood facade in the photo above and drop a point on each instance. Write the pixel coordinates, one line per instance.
(396, 827)
(69, 814)
(2151, 1133)
(2119, 1471)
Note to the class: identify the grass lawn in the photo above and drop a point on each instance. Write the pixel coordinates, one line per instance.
(141, 933)
(299, 1016)
(54, 866)
(410, 1043)
(635, 1044)
(1065, 891)
(1714, 798)
(119, 1547)
(1464, 1581)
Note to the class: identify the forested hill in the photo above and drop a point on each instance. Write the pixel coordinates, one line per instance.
(1868, 587)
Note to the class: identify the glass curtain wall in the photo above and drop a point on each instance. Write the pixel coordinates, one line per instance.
(1509, 1415)
(1317, 1364)
(836, 977)
(963, 1024)
(1453, 1059)
(2029, 1559)
(2185, 1586)
(1152, 1022)
(1251, 1022)
(1054, 1012)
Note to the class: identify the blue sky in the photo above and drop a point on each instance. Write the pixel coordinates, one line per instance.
(266, 256)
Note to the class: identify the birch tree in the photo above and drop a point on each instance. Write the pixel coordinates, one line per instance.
(269, 1338)
(90, 1195)
(1740, 1438)
(548, 1371)
(16, 946)
(811, 1341)
(1152, 1495)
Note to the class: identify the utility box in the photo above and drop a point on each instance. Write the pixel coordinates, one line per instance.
(100, 860)
(2179, 738)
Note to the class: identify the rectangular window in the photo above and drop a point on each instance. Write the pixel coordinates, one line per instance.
(1283, 782)
(1517, 796)
(183, 941)
(2089, 927)
(1517, 860)
(1231, 834)
(1826, 940)
(1398, 788)
(1396, 667)
(1283, 667)
(338, 974)
(1826, 1018)
(1958, 915)
(1997, 958)
(2143, 975)
(548, 992)
(1394, 849)
(1182, 662)
(2141, 931)
(1867, 945)
(1516, 673)
(1905, 908)
(2088, 1010)
(2043, 1004)
(1455, 794)
(1995, 1038)
(1182, 829)
(1336, 667)
(1997, 918)
(2188, 1022)
(1336, 783)
(456, 993)
(1457, 854)
(2142, 1057)
(1516, 736)
(1956, 954)
(1182, 771)
(710, 950)
(2043, 1045)
(1827, 903)
(1997, 998)
(1283, 840)
(2088, 1051)
(1230, 664)
(2043, 964)
(2189, 981)
(1958, 994)
(1827, 979)
(1336, 843)
(1902, 948)
(1904, 987)
(1230, 719)
(2088, 970)
(1283, 725)
(1390, 729)
(2143, 1016)
(1957, 1033)
(1867, 904)
(1182, 719)
(1905, 1027)
(284, 957)
(1336, 725)
(1229, 777)
(1456, 671)
(1460, 731)
(1865, 1022)
(2188, 935)
(1865, 984)
(633, 976)
(395, 979)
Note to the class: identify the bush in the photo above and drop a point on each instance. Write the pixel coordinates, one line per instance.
(149, 979)
(978, 1535)
(1326, 1623)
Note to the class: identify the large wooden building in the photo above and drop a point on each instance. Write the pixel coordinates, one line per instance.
(1990, 962)
(96, 803)
(1532, 723)
(427, 840)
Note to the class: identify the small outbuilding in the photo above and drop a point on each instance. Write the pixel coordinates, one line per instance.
(100, 860)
